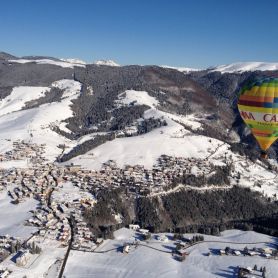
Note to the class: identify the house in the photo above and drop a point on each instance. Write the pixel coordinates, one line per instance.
(252, 253)
(242, 271)
(267, 255)
(134, 227)
(86, 245)
(4, 273)
(42, 232)
(22, 258)
(99, 241)
(181, 254)
(266, 250)
(144, 231)
(162, 238)
(222, 252)
(180, 243)
(236, 252)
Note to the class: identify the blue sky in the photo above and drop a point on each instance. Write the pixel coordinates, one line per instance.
(195, 33)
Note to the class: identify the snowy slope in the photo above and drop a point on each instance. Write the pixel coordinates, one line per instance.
(246, 66)
(234, 67)
(35, 125)
(62, 63)
(172, 139)
(19, 96)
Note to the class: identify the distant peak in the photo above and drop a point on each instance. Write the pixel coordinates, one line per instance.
(6, 56)
(106, 63)
(181, 69)
(245, 66)
(74, 61)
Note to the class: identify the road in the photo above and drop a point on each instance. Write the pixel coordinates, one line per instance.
(68, 250)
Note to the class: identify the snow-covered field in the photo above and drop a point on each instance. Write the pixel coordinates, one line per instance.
(12, 217)
(68, 193)
(148, 148)
(146, 262)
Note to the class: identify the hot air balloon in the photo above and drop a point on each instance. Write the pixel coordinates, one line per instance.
(258, 107)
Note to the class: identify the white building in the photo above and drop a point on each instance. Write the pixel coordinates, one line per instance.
(134, 227)
(23, 258)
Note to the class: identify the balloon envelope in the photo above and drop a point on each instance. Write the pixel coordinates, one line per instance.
(258, 107)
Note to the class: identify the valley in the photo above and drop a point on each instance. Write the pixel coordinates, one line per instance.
(88, 150)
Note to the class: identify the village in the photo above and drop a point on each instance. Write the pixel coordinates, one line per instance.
(64, 192)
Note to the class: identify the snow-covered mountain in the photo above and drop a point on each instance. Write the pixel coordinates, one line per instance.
(106, 63)
(190, 100)
(246, 66)
(238, 67)
(74, 61)
(69, 63)
(181, 69)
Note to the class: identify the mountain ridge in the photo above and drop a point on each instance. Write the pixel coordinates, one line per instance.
(236, 67)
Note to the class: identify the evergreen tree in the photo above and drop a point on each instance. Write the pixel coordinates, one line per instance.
(13, 250)
(17, 246)
(33, 247)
